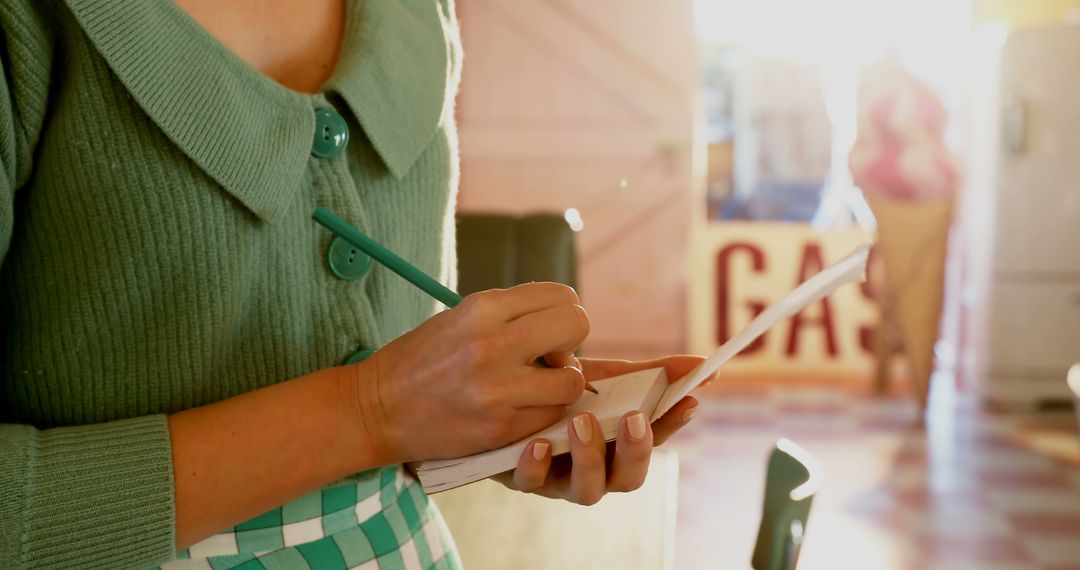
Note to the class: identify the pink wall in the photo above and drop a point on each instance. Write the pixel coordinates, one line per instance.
(591, 105)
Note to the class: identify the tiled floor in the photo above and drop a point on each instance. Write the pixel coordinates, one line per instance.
(974, 488)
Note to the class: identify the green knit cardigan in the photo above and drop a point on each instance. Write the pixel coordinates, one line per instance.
(158, 251)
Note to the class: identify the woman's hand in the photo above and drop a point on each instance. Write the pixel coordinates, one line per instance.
(593, 467)
(465, 380)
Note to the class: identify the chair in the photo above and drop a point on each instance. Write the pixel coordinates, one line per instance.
(500, 251)
(792, 478)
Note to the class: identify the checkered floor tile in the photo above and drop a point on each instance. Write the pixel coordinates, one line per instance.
(968, 488)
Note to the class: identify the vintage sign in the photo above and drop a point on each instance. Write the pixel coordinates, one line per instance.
(740, 268)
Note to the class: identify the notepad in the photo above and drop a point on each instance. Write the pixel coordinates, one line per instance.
(648, 390)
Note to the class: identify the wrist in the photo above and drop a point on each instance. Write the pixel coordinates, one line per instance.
(358, 394)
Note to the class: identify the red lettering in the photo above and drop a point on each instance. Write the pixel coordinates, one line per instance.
(723, 291)
(812, 262)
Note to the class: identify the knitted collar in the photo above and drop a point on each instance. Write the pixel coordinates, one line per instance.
(252, 135)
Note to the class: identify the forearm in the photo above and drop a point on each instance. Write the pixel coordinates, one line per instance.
(238, 458)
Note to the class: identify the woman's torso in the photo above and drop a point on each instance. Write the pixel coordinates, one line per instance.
(162, 255)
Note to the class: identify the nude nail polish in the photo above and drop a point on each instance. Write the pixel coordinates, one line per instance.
(688, 414)
(635, 425)
(583, 428)
(540, 450)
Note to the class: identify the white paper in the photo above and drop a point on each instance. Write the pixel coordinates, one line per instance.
(851, 268)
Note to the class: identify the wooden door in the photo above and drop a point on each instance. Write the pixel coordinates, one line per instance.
(590, 104)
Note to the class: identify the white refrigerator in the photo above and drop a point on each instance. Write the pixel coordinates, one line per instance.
(1033, 293)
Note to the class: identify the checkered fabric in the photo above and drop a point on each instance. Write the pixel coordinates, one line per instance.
(379, 519)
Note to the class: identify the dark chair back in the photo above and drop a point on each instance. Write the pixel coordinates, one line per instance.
(791, 480)
(500, 251)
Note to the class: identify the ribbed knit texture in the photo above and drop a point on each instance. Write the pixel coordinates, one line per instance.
(85, 490)
(157, 248)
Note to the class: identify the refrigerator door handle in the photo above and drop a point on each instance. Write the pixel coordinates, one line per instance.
(1014, 124)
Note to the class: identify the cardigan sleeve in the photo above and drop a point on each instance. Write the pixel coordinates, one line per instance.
(92, 496)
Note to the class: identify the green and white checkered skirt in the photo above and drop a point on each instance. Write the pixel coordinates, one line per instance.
(380, 519)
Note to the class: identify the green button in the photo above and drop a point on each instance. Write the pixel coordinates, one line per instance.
(347, 262)
(359, 356)
(331, 134)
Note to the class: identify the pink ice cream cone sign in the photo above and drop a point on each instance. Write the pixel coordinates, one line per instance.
(900, 152)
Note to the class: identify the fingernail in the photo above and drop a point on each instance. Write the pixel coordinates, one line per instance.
(635, 424)
(575, 363)
(583, 428)
(688, 414)
(540, 450)
(582, 315)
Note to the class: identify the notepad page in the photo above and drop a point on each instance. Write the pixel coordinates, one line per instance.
(851, 268)
(617, 396)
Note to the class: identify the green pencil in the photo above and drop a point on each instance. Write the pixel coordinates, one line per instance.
(391, 261)
(379, 253)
